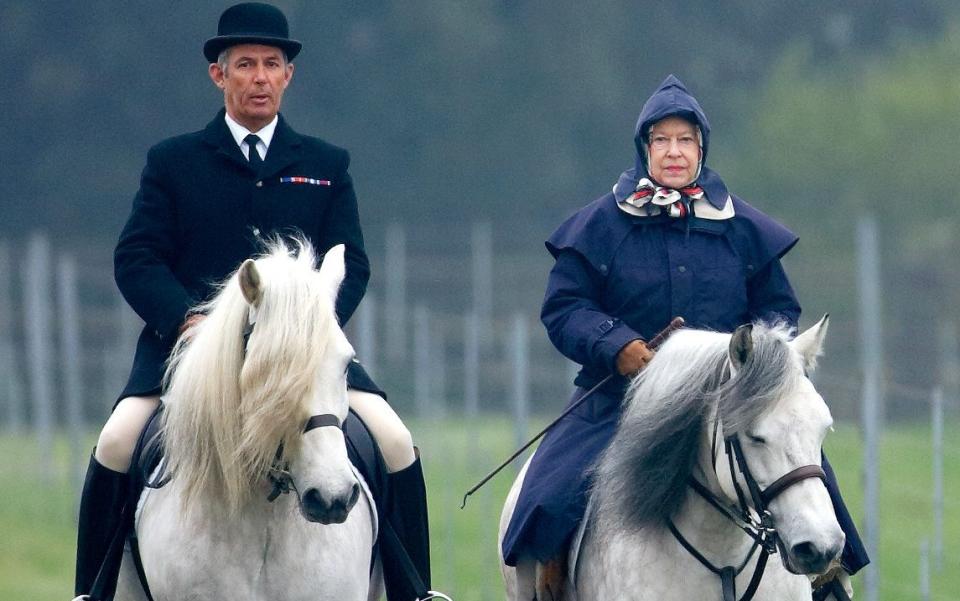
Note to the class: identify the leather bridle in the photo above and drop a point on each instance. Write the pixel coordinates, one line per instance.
(279, 473)
(753, 517)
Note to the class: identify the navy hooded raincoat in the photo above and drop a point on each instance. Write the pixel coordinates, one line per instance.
(619, 277)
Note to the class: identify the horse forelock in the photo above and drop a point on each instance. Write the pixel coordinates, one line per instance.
(772, 371)
(642, 477)
(230, 406)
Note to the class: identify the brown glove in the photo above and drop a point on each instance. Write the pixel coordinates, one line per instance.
(633, 357)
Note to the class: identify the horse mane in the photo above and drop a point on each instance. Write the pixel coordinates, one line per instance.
(642, 477)
(229, 407)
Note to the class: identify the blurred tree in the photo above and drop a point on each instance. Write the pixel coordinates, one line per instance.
(870, 136)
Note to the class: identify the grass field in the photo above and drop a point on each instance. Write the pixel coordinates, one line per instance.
(37, 529)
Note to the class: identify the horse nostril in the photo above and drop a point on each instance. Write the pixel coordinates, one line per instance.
(354, 495)
(312, 498)
(810, 557)
(804, 551)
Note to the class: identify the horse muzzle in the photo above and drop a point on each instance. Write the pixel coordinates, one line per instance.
(810, 558)
(317, 508)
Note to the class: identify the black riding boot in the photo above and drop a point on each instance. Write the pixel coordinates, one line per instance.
(101, 515)
(407, 518)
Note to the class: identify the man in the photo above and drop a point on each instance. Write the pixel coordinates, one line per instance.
(206, 201)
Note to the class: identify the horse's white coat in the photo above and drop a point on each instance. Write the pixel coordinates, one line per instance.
(646, 564)
(199, 549)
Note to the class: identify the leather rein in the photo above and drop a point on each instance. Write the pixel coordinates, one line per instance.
(757, 524)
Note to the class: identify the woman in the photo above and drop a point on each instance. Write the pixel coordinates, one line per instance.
(668, 240)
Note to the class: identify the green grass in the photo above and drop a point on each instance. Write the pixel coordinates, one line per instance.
(37, 528)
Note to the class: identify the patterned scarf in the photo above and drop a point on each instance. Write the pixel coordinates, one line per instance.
(656, 199)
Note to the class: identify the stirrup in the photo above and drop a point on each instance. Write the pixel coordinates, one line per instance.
(434, 595)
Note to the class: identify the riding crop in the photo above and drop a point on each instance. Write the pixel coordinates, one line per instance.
(675, 324)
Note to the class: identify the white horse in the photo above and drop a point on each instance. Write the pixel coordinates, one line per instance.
(720, 433)
(253, 404)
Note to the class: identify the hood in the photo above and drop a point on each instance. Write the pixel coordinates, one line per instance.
(671, 99)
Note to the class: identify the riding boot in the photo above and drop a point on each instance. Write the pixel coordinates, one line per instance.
(407, 517)
(101, 516)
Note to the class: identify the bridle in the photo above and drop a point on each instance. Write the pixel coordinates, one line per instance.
(279, 473)
(753, 517)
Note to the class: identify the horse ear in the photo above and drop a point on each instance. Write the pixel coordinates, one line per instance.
(810, 343)
(741, 345)
(250, 282)
(333, 269)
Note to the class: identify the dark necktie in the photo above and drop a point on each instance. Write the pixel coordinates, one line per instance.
(253, 155)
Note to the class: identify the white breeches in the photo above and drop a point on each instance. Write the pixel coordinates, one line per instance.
(119, 434)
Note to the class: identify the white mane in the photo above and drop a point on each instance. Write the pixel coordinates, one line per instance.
(228, 408)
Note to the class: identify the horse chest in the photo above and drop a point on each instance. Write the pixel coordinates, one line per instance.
(272, 554)
(637, 567)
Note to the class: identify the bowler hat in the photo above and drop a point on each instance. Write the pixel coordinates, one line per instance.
(251, 23)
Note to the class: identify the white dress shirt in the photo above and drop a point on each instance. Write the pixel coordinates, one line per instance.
(240, 132)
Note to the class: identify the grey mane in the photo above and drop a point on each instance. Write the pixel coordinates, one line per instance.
(641, 478)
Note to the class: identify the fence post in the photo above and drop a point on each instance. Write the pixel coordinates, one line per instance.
(471, 381)
(437, 353)
(70, 354)
(37, 317)
(925, 570)
(868, 262)
(520, 359)
(11, 384)
(421, 350)
(395, 301)
(937, 427)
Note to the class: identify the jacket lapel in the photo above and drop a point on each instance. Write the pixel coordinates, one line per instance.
(284, 150)
(218, 135)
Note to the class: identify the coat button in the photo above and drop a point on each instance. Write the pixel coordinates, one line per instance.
(260, 184)
(603, 269)
(682, 269)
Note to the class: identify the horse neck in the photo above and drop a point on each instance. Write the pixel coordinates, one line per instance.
(713, 534)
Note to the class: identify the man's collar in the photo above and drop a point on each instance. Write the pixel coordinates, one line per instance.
(240, 132)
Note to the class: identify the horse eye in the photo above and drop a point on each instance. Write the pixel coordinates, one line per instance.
(756, 439)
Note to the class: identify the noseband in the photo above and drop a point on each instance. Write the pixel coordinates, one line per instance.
(757, 524)
(279, 474)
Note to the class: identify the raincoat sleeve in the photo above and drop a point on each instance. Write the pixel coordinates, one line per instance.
(771, 297)
(575, 321)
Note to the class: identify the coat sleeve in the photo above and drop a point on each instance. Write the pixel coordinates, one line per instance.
(146, 252)
(575, 321)
(342, 226)
(771, 296)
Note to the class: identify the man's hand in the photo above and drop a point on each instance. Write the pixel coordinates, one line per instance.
(186, 328)
(633, 357)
